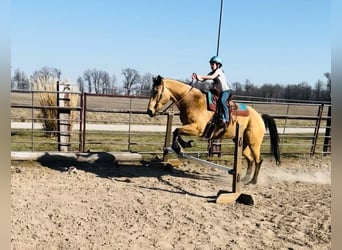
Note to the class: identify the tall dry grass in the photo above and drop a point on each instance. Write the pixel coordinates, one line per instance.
(47, 99)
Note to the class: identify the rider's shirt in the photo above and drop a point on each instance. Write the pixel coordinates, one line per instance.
(220, 82)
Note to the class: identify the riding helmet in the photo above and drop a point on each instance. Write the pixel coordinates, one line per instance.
(216, 59)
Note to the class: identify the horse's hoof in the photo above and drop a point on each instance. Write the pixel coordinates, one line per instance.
(252, 182)
(177, 149)
(244, 180)
(189, 144)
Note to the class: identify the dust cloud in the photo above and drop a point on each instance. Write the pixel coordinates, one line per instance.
(314, 176)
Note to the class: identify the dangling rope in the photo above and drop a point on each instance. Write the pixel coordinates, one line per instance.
(219, 30)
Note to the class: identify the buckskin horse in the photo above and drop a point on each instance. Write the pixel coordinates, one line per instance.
(195, 117)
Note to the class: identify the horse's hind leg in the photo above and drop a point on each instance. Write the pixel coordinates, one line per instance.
(255, 148)
(250, 164)
(256, 173)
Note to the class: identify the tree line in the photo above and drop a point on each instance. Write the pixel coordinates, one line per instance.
(134, 83)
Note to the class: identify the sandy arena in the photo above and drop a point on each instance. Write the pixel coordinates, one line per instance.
(63, 205)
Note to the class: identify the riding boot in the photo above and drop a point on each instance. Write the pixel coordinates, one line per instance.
(226, 124)
(221, 123)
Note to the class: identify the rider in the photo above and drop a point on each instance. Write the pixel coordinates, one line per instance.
(221, 83)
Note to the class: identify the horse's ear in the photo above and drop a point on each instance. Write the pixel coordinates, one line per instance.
(157, 80)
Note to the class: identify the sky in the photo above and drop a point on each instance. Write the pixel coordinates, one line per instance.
(264, 41)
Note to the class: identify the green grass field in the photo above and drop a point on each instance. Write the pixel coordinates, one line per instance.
(27, 140)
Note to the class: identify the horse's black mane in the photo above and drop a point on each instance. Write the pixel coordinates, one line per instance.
(202, 86)
(182, 81)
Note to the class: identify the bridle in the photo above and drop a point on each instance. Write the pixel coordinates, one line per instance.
(160, 95)
(174, 100)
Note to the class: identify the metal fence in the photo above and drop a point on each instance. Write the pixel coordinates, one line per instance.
(120, 123)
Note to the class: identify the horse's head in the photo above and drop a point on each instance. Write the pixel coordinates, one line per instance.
(159, 96)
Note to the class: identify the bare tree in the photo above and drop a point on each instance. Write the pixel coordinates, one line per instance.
(278, 91)
(318, 90)
(131, 78)
(105, 82)
(249, 88)
(47, 73)
(146, 84)
(99, 80)
(80, 83)
(87, 78)
(20, 80)
(305, 90)
(271, 91)
(58, 73)
(237, 88)
(95, 77)
(113, 89)
(302, 91)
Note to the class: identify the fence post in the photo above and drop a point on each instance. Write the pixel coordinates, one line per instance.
(167, 141)
(238, 158)
(63, 116)
(82, 121)
(327, 136)
(129, 125)
(214, 147)
(316, 132)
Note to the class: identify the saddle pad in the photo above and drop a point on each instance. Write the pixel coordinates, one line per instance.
(239, 109)
(211, 101)
(242, 106)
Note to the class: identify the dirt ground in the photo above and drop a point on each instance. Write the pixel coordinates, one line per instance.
(66, 205)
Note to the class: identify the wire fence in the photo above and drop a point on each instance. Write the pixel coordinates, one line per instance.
(120, 123)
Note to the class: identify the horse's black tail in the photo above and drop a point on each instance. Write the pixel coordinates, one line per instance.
(272, 127)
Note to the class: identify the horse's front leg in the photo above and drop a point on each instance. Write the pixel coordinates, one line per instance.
(185, 144)
(175, 145)
(178, 143)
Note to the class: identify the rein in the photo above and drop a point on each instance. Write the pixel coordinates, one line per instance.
(174, 101)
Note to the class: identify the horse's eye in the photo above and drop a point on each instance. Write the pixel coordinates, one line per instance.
(155, 92)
